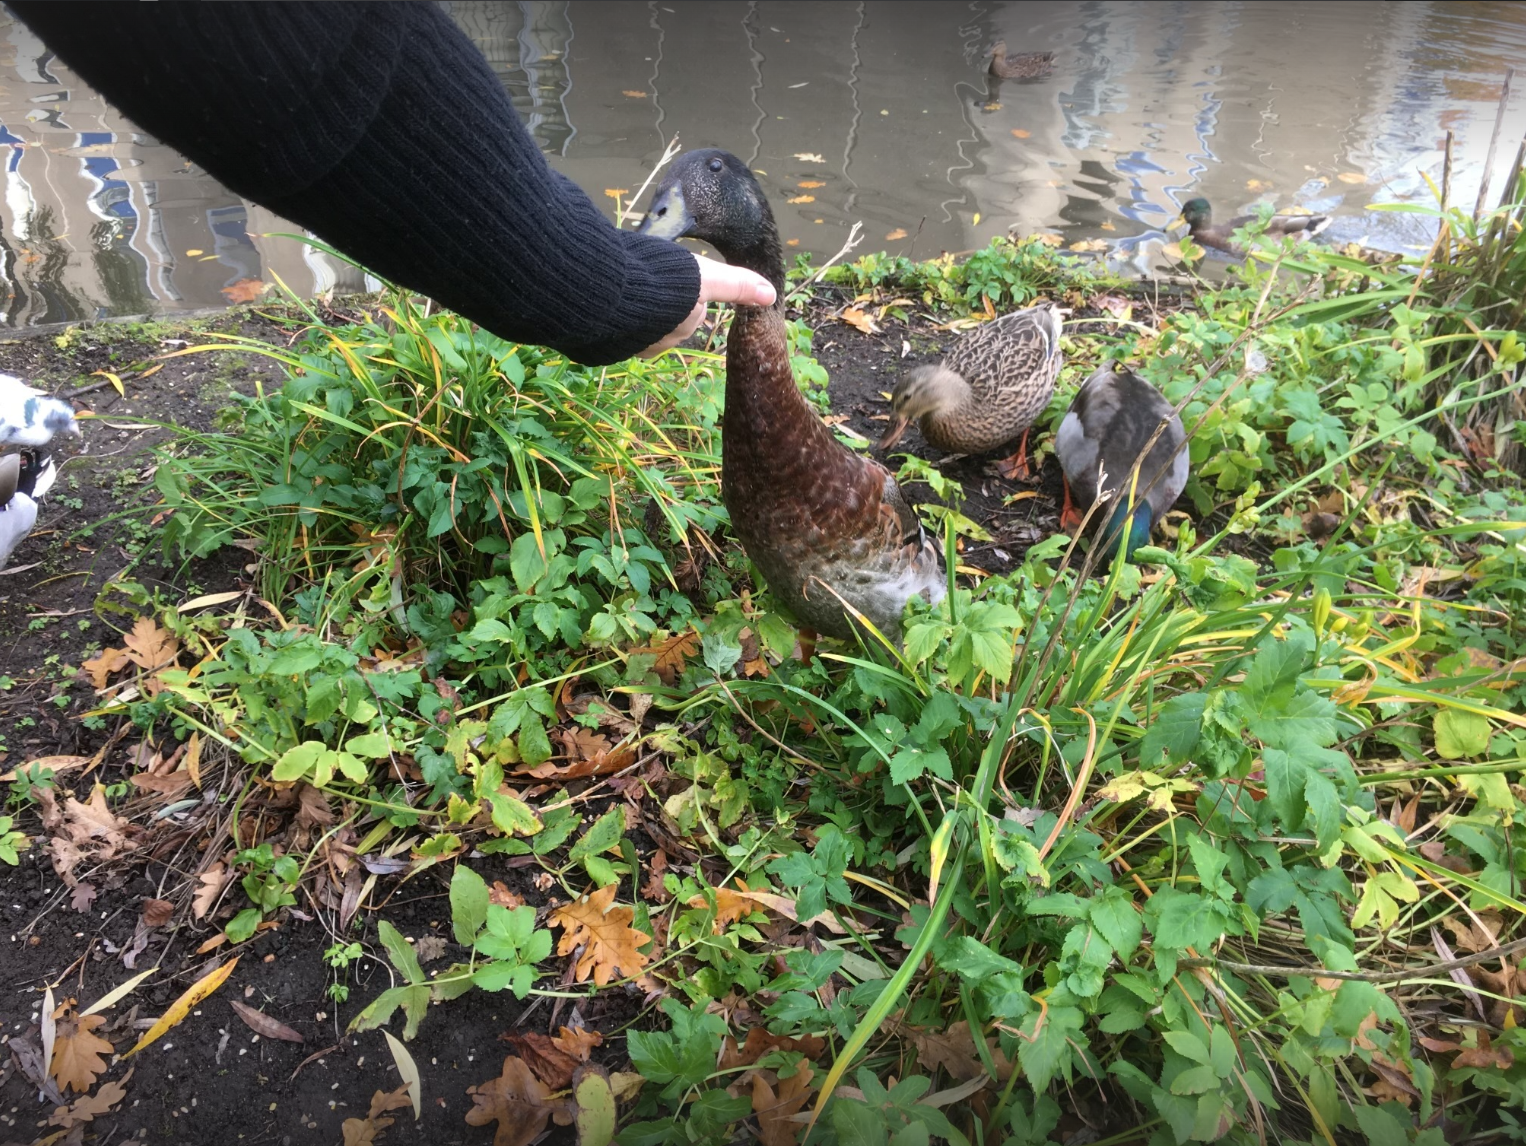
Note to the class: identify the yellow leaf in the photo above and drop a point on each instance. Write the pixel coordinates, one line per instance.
(976, 221)
(151, 371)
(898, 233)
(193, 252)
(193, 759)
(181, 1007)
(791, 242)
(616, 192)
(1020, 133)
(116, 383)
(1089, 245)
(1352, 177)
(635, 95)
(1108, 225)
(1256, 184)
(802, 199)
(811, 184)
(609, 943)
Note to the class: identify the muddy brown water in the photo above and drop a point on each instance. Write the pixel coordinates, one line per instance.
(872, 112)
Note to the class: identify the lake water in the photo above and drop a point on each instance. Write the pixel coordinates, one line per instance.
(872, 112)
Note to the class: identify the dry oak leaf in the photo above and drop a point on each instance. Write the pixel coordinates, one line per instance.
(1485, 1056)
(77, 1049)
(653, 890)
(503, 897)
(777, 1105)
(98, 669)
(760, 1041)
(553, 1059)
(859, 320)
(518, 1101)
(730, 906)
(365, 1131)
(672, 654)
(954, 1051)
(150, 647)
(88, 1106)
(609, 943)
(212, 882)
(590, 755)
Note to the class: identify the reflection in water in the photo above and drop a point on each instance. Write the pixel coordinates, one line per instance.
(867, 111)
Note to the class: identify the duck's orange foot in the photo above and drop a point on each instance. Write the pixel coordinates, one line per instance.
(1016, 468)
(805, 646)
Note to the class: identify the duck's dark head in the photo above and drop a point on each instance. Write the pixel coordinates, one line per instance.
(711, 195)
(1197, 213)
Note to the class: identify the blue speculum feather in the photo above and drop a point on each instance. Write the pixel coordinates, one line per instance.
(1133, 527)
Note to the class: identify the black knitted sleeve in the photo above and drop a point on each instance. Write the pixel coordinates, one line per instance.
(380, 128)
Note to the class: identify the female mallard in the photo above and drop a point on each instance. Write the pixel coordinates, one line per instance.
(1198, 216)
(825, 527)
(1113, 417)
(1023, 66)
(989, 389)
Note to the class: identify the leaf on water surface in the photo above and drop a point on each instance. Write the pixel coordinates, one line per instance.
(776, 1103)
(245, 290)
(262, 1024)
(809, 157)
(1019, 133)
(181, 1007)
(603, 931)
(1352, 177)
(634, 94)
(364, 1131)
(898, 233)
(77, 1050)
(1256, 184)
(802, 199)
(519, 1102)
(810, 184)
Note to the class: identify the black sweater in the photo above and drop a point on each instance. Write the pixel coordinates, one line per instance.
(380, 128)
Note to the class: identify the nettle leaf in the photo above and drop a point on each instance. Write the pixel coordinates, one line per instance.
(1175, 730)
(1117, 920)
(911, 763)
(1044, 1050)
(1305, 719)
(1180, 919)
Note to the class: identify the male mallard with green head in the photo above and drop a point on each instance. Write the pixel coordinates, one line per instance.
(828, 529)
(987, 391)
(1198, 216)
(1113, 417)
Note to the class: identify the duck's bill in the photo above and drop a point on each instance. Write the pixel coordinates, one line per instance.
(893, 435)
(1176, 222)
(669, 217)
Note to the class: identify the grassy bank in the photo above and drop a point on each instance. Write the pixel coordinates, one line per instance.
(1215, 846)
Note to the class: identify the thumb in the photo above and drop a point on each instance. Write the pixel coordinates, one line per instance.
(722, 282)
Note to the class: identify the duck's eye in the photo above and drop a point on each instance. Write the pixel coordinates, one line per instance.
(716, 165)
(661, 211)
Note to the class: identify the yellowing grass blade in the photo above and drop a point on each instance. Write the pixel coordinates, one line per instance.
(181, 1007)
(110, 998)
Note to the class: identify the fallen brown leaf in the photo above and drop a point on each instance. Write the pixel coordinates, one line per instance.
(652, 890)
(760, 1041)
(518, 1101)
(810, 184)
(672, 654)
(898, 233)
(82, 896)
(100, 668)
(802, 199)
(156, 912)
(212, 882)
(859, 320)
(77, 1049)
(604, 933)
(553, 1059)
(89, 1106)
(730, 906)
(1484, 1056)
(503, 897)
(954, 1050)
(777, 1104)
(367, 1131)
(262, 1024)
(313, 809)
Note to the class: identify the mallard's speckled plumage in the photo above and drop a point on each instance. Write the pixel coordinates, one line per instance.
(1113, 416)
(1023, 66)
(822, 524)
(1198, 216)
(988, 390)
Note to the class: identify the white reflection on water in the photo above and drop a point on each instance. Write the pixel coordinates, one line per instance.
(866, 111)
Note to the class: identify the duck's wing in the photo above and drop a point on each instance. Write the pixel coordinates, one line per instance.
(17, 517)
(1306, 225)
(1124, 415)
(1016, 353)
(1079, 443)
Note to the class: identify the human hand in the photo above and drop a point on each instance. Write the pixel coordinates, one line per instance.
(718, 282)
